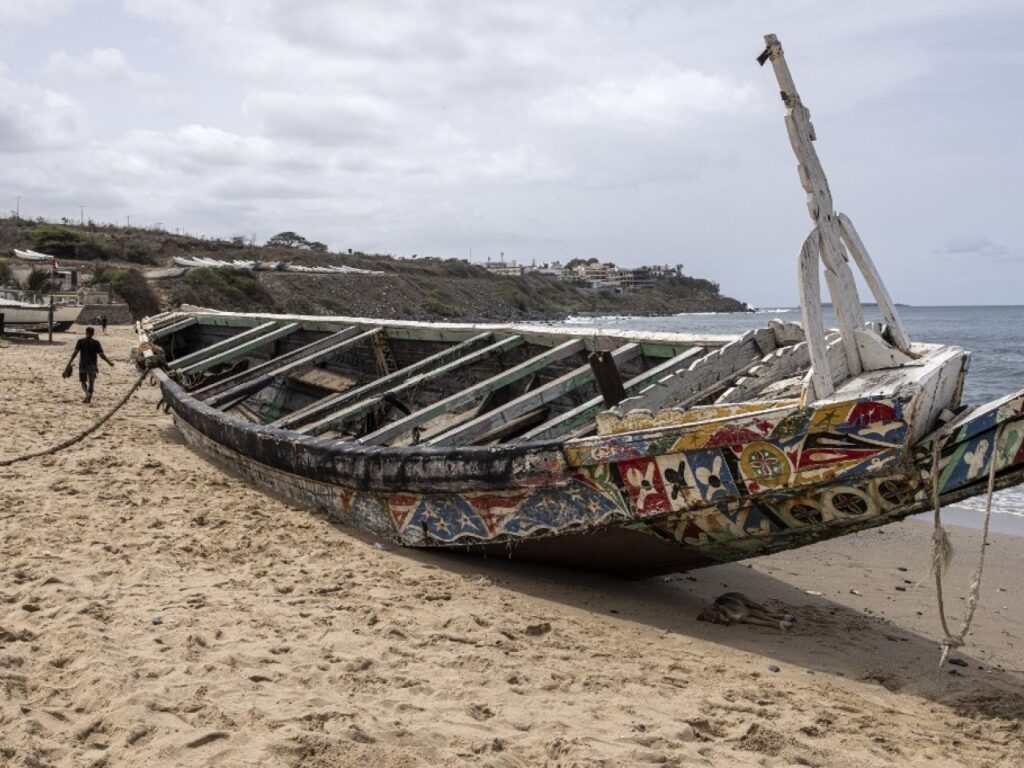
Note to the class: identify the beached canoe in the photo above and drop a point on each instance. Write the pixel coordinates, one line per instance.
(633, 453)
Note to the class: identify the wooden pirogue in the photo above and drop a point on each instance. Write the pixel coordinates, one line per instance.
(631, 453)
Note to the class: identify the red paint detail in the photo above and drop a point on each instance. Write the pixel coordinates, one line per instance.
(870, 413)
(401, 506)
(645, 486)
(816, 457)
(730, 434)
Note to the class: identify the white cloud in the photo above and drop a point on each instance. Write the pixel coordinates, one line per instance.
(33, 11)
(661, 98)
(33, 118)
(98, 64)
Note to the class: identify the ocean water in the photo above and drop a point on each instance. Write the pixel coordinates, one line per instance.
(994, 336)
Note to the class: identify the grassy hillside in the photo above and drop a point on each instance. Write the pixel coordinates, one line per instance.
(418, 289)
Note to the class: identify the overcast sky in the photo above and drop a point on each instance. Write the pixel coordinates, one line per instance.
(637, 131)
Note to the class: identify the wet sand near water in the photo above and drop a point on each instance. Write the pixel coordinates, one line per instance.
(156, 610)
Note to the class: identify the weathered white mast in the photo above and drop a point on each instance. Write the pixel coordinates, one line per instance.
(831, 242)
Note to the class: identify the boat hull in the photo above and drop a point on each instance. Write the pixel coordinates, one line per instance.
(637, 505)
(37, 316)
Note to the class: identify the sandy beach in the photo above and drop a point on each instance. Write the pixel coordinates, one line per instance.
(155, 610)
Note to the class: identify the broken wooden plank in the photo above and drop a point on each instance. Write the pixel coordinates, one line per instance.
(256, 378)
(325, 405)
(240, 349)
(471, 432)
(220, 346)
(606, 374)
(585, 413)
(401, 426)
(367, 404)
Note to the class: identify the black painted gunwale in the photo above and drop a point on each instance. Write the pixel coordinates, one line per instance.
(419, 468)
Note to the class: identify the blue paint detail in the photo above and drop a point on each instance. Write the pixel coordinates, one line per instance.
(447, 519)
(710, 476)
(971, 464)
(370, 512)
(977, 425)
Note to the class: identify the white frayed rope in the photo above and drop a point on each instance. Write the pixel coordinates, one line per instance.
(941, 552)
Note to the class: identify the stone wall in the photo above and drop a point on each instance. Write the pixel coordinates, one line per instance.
(117, 314)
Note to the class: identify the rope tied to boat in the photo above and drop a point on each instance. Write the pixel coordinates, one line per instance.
(941, 551)
(144, 365)
(84, 433)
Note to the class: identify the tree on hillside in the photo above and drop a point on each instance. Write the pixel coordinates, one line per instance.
(288, 240)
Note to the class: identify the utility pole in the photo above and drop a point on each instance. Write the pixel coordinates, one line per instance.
(53, 276)
(17, 206)
(129, 219)
(81, 210)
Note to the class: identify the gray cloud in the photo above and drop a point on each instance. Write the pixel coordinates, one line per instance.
(978, 247)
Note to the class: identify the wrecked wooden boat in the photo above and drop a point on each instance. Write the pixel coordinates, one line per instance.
(637, 454)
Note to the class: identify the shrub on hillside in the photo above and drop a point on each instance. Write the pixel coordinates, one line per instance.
(56, 241)
(228, 289)
(131, 286)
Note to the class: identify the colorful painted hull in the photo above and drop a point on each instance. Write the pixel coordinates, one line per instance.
(636, 504)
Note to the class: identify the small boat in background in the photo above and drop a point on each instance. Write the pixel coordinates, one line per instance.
(632, 453)
(26, 315)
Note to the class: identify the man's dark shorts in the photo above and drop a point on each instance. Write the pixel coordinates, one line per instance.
(87, 376)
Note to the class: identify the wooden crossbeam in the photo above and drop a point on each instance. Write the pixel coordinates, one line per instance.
(471, 431)
(241, 349)
(325, 405)
(256, 378)
(220, 346)
(173, 328)
(585, 413)
(712, 370)
(468, 395)
(369, 403)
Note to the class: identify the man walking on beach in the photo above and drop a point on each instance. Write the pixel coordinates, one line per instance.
(90, 350)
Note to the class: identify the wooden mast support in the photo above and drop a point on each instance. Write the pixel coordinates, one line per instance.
(401, 426)
(325, 405)
(368, 404)
(819, 204)
(468, 433)
(831, 242)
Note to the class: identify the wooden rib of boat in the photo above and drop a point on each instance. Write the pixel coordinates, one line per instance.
(633, 453)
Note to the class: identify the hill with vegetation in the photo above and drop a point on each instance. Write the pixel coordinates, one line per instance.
(418, 288)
